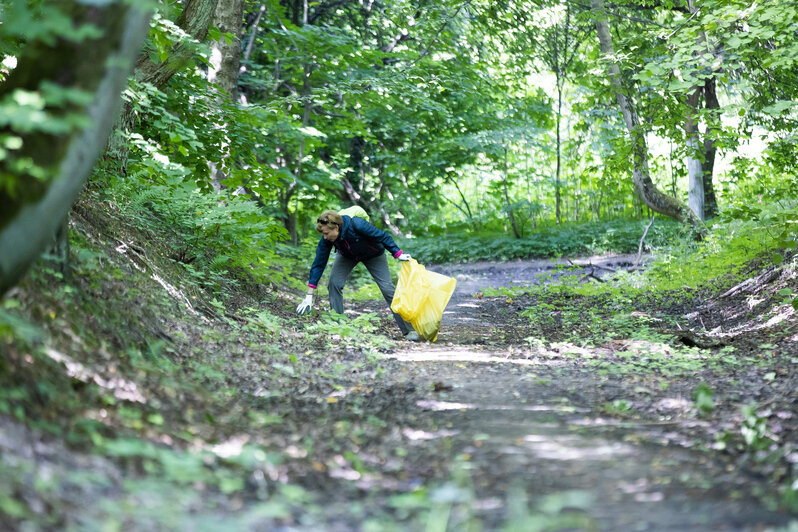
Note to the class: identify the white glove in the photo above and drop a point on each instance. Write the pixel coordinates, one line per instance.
(405, 256)
(306, 305)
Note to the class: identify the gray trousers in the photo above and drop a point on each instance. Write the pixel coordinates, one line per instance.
(378, 268)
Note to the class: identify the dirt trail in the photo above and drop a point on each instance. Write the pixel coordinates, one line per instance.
(526, 423)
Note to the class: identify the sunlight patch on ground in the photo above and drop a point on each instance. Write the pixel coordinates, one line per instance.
(171, 290)
(232, 447)
(423, 435)
(784, 313)
(641, 489)
(341, 468)
(123, 389)
(567, 448)
(455, 355)
(439, 406)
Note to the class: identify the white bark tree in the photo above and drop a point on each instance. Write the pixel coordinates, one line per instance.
(695, 174)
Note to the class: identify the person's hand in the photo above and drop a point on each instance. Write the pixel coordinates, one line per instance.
(405, 256)
(306, 305)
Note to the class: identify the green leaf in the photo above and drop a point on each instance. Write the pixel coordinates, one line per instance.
(779, 107)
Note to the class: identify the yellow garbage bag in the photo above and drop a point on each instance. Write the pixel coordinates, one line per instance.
(421, 296)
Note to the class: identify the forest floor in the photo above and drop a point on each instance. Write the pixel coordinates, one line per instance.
(132, 402)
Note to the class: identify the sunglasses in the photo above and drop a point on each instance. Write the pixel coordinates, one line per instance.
(326, 222)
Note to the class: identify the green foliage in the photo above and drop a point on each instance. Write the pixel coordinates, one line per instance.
(618, 407)
(212, 234)
(703, 396)
(335, 324)
(451, 506)
(617, 236)
(731, 245)
(754, 429)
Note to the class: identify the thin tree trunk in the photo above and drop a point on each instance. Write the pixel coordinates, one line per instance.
(507, 199)
(557, 193)
(352, 182)
(101, 66)
(466, 209)
(645, 187)
(254, 34)
(713, 127)
(307, 106)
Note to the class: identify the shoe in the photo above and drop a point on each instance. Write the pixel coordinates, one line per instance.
(413, 336)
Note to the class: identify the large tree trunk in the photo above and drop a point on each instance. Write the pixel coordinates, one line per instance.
(224, 69)
(645, 187)
(100, 66)
(226, 54)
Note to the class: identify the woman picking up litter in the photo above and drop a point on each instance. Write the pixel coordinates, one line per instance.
(356, 240)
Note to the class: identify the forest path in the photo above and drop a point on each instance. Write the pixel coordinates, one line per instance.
(528, 422)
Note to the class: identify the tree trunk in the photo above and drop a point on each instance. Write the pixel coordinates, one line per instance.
(507, 200)
(224, 70)
(466, 209)
(254, 34)
(643, 184)
(713, 127)
(353, 181)
(195, 20)
(226, 54)
(557, 193)
(289, 218)
(100, 66)
(695, 179)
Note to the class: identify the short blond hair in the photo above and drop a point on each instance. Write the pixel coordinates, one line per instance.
(328, 218)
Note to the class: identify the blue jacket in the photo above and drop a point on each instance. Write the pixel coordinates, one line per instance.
(358, 240)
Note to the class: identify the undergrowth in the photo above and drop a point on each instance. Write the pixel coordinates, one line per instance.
(144, 357)
(616, 236)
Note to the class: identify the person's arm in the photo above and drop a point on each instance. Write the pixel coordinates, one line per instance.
(319, 263)
(368, 230)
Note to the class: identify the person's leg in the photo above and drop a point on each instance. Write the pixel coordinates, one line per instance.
(378, 268)
(342, 267)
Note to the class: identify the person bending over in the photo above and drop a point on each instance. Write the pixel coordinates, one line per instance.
(356, 240)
